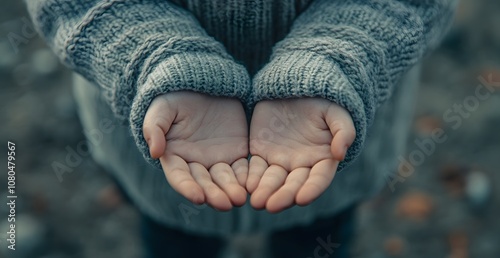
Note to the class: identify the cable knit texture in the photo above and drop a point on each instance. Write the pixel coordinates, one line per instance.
(351, 52)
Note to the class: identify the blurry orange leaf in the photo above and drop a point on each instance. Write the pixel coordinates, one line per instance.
(415, 206)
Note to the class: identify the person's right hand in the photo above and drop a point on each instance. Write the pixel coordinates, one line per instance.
(202, 144)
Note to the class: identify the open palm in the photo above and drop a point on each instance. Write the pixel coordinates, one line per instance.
(202, 143)
(296, 146)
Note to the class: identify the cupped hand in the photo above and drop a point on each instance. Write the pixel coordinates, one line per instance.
(202, 144)
(296, 146)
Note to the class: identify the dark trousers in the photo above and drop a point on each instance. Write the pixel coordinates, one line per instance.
(325, 238)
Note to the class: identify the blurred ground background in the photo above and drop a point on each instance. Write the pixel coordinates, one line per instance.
(447, 207)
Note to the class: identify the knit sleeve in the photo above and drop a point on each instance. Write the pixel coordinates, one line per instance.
(352, 52)
(136, 50)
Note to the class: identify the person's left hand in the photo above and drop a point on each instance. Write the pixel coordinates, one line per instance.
(296, 146)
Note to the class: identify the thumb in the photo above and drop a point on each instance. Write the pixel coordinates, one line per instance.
(343, 132)
(341, 142)
(157, 122)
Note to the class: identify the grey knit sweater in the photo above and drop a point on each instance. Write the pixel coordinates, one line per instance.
(352, 52)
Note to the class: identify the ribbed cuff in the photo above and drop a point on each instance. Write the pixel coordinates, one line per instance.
(299, 74)
(198, 72)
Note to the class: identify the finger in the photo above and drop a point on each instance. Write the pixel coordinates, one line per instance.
(319, 179)
(223, 176)
(179, 177)
(255, 171)
(215, 197)
(157, 122)
(272, 180)
(240, 168)
(343, 131)
(285, 196)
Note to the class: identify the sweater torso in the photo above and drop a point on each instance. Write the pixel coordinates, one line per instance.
(248, 29)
